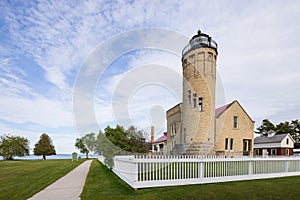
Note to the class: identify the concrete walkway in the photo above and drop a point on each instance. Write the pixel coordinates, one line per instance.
(68, 187)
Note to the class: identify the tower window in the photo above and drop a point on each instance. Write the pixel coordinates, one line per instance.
(209, 57)
(184, 63)
(231, 144)
(195, 100)
(235, 122)
(200, 102)
(173, 129)
(189, 96)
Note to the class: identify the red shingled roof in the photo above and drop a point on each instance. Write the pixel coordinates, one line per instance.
(220, 110)
(163, 138)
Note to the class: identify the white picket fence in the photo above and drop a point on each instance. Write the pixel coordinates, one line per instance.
(158, 171)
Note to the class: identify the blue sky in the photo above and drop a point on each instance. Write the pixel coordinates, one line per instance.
(44, 44)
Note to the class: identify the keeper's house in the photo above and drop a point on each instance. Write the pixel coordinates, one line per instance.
(274, 144)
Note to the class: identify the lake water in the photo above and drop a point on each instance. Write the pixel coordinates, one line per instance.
(58, 156)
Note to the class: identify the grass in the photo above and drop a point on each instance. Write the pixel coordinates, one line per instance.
(103, 184)
(20, 179)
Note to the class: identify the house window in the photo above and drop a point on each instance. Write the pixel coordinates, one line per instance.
(195, 100)
(200, 104)
(287, 152)
(235, 122)
(189, 96)
(226, 143)
(256, 152)
(273, 152)
(287, 141)
(231, 144)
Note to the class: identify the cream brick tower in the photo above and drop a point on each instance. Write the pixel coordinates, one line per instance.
(199, 83)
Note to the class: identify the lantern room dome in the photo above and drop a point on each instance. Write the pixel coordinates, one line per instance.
(200, 40)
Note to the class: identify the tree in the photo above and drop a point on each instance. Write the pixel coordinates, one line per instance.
(283, 127)
(118, 141)
(11, 146)
(136, 140)
(265, 127)
(106, 148)
(130, 140)
(86, 144)
(80, 145)
(295, 127)
(44, 147)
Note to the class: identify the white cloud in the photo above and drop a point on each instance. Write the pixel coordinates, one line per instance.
(140, 95)
(39, 110)
(20, 104)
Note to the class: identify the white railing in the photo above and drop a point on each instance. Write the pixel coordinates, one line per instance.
(101, 158)
(158, 171)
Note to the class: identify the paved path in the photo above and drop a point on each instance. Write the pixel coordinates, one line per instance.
(68, 187)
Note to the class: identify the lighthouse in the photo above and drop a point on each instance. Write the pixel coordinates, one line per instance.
(195, 126)
(199, 59)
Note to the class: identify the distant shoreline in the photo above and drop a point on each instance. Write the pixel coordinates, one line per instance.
(53, 157)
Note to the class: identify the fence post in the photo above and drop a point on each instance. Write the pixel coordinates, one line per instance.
(135, 171)
(250, 169)
(201, 170)
(286, 166)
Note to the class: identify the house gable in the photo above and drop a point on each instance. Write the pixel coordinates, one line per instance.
(288, 142)
(221, 110)
(240, 136)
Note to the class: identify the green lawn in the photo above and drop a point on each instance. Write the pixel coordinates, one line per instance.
(21, 179)
(103, 184)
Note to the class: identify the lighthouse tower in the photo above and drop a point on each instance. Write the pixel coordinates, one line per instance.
(199, 84)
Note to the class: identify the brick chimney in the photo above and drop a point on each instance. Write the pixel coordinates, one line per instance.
(152, 134)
